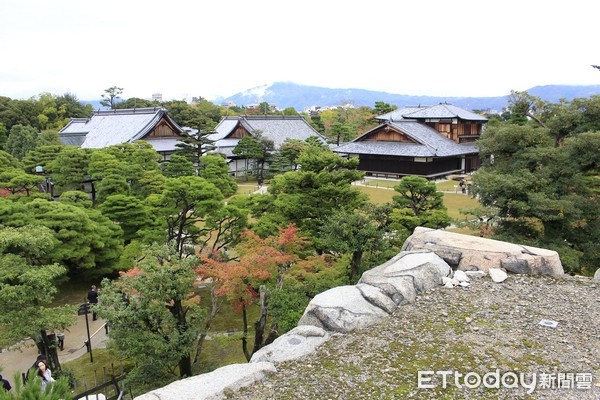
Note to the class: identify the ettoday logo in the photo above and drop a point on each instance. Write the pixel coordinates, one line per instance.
(510, 380)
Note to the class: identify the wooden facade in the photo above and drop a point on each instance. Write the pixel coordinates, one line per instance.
(404, 166)
(387, 134)
(163, 129)
(458, 130)
(440, 146)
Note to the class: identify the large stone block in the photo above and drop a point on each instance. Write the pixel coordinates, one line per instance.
(294, 344)
(472, 253)
(341, 309)
(212, 385)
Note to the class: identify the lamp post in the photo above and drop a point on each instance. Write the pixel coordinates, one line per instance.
(84, 309)
(49, 188)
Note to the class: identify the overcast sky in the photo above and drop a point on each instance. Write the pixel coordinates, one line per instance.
(185, 48)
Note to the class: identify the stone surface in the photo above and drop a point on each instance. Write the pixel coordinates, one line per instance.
(597, 275)
(461, 276)
(341, 309)
(471, 253)
(213, 385)
(294, 344)
(497, 275)
(433, 333)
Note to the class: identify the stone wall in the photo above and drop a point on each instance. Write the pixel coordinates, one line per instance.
(425, 262)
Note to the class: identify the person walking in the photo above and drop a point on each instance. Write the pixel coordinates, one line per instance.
(92, 297)
(45, 373)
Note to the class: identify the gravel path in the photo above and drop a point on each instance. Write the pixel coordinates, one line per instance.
(486, 328)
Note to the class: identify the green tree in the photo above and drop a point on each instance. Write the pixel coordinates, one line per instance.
(215, 170)
(155, 316)
(418, 204)
(88, 240)
(127, 211)
(16, 181)
(545, 195)
(135, 102)
(289, 111)
(69, 169)
(179, 209)
(285, 158)
(3, 135)
(76, 198)
(177, 166)
(41, 156)
(110, 97)
(248, 148)
(32, 389)
(383, 108)
(306, 197)
(21, 140)
(195, 145)
(28, 286)
(351, 232)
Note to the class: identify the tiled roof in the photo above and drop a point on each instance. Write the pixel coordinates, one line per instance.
(426, 112)
(107, 128)
(430, 143)
(397, 115)
(276, 128)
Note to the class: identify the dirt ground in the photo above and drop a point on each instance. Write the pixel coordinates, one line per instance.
(20, 357)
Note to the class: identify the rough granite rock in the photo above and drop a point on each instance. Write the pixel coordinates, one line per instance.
(341, 309)
(294, 344)
(213, 385)
(471, 253)
(378, 293)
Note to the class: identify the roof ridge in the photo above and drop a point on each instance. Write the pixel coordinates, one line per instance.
(130, 111)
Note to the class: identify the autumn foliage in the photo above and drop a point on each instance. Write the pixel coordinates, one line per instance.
(260, 260)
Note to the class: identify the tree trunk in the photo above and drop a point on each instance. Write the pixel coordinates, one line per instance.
(49, 350)
(213, 313)
(245, 334)
(260, 325)
(185, 362)
(355, 265)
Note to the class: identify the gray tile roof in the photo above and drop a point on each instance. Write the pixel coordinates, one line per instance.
(276, 128)
(430, 143)
(437, 111)
(107, 128)
(397, 115)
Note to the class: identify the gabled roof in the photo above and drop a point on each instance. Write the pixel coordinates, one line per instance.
(429, 112)
(429, 143)
(107, 128)
(276, 128)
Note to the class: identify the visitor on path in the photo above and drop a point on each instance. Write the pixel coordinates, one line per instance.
(5, 384)
(92, 297)
(45, 373)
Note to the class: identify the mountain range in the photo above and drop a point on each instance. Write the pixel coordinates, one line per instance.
(288, 94)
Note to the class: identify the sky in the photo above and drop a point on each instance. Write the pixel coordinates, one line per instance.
(212, 48)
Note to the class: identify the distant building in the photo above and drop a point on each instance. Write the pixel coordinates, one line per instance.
(427, 141)
(157, 97)
(228, 104)
(107, 128)
(231, 130)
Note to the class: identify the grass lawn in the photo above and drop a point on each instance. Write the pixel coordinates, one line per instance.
(454, 202)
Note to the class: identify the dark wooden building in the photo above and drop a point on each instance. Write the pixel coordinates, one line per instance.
(427, 141)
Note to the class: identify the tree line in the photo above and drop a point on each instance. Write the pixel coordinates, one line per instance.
(154, 230)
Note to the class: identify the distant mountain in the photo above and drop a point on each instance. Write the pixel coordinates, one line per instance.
(287, 94)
